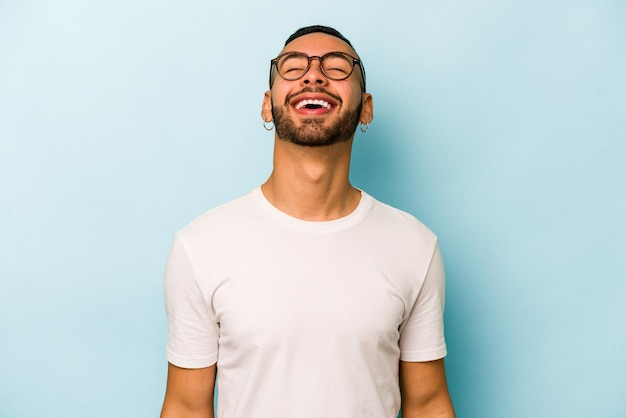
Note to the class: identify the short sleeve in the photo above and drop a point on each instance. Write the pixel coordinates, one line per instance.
(422, 337)
(192, 340)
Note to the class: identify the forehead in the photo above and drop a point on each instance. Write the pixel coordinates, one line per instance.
(318, 44)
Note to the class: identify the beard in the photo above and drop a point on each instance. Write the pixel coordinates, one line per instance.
(312, 132)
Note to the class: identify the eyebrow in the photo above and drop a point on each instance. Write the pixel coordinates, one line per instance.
(326, 53)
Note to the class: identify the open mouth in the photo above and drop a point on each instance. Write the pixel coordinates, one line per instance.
(313, 104)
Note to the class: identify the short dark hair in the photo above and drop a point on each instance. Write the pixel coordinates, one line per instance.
(317, 29)
(322, 29)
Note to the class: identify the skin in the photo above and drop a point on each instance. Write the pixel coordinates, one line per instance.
(189, 392)
(311, 183)
(425, 390)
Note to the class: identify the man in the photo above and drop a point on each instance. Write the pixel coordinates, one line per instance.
(307, 297)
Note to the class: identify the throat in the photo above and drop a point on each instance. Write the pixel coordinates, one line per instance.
(315, 203)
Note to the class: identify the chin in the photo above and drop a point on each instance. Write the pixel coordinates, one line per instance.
(313, 133)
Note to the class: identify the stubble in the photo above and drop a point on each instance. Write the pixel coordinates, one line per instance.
(312, 132)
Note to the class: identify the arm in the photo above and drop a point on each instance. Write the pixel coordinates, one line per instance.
(189, 392)
(424, 390)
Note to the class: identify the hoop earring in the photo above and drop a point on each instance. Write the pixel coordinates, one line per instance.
(364, 127)
(270, 126)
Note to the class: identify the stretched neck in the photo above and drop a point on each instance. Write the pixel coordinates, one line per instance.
(311, 183)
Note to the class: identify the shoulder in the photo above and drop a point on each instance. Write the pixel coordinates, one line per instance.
(221, 220)
(397, 221)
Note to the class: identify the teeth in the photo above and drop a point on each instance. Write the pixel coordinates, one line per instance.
(322, 103)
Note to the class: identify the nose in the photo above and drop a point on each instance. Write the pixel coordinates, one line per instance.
(315, 74)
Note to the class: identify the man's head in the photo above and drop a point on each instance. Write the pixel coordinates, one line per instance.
(317, 96)
(320, 29)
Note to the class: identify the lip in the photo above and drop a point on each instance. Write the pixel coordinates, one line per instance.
(323, 103)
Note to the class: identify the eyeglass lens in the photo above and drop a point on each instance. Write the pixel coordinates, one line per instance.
(334, 66)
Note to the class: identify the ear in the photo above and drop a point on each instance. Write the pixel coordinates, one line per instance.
(266, 108)
(367, 109)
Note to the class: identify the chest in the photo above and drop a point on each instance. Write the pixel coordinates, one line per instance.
(313, 294)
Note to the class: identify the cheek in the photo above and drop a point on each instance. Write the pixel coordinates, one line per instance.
(356, 99)
(353, 93)
(279, 92)
(278, 97)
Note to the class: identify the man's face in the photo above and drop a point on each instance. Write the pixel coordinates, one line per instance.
(314, 110)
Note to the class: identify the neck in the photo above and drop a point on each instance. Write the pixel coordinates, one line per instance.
(311, 183)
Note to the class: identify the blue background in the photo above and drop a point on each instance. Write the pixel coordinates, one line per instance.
(500, 124)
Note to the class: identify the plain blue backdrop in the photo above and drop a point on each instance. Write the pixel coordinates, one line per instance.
(500, 124)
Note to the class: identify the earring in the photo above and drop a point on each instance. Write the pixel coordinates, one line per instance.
(270, 127)
(364, 127)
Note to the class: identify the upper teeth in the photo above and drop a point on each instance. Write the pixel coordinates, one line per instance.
(322, 103)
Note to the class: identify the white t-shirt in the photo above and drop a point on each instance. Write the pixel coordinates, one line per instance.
(304, 319)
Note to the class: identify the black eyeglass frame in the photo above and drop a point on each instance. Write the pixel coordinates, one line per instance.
(355, 61)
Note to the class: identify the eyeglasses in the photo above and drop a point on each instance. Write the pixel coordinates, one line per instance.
(334, 65)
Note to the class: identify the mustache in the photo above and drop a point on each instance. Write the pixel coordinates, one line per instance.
(312, 90)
